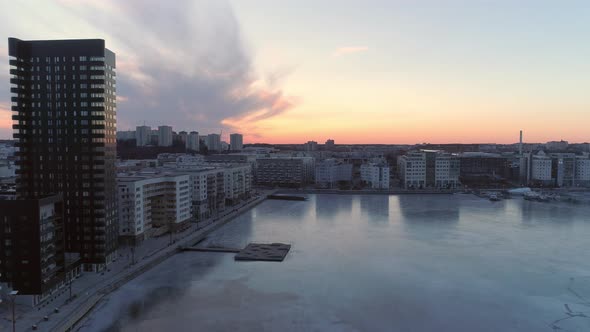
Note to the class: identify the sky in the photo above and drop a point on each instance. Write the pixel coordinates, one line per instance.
(413, 71)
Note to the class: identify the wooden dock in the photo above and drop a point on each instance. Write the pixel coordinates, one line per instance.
(212, 249)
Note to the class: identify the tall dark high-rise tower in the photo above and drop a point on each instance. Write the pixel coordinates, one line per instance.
(64, 121)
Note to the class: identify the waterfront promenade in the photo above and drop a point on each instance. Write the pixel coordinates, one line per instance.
(91, 287)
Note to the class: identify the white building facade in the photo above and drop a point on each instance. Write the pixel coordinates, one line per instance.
(148, 200)
(329, 172)
(376, 175)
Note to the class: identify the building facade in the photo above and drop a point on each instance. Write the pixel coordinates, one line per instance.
(236, 142)
(375, 174)
(64, 112)
(150, 201)
(213, 142)
(429, 169)
(288, 171)
(329, 172)
(165, 136)
(192, 141)
(32, 250)
(143, 135)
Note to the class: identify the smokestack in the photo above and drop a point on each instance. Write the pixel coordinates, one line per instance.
(520, 144)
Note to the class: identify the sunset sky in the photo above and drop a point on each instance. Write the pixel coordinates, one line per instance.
(356, 71)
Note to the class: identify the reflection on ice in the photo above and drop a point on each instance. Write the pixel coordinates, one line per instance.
(375, 263)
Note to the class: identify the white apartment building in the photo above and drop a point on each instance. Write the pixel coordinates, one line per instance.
(142, 135)
(148, 200)
(447, 171)
(164, 136)
(213, 186)
(412, 170)
(236, 142)
(328, 172)
(192, 141)
(582, 171)
(540, 168)
(429, 169)
(376, 175)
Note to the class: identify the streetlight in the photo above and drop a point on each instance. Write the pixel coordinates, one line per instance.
(12, 300)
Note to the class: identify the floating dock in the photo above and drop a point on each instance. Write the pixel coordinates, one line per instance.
(287, 197)
(274, 252)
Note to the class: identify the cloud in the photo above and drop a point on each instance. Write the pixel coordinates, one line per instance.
(349, 50)
(184, 63)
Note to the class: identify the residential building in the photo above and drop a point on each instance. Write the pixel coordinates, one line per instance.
(582, 171)
(164, 136)
(429, 169)
(236, 142)
(447, 171)
(64, 113)
(329, 144)
(213, 142)
(143, 135)
(376, 174)
(412, 170)
(32, 251)
(330, 171)
(182, 137)
(478, 165)
(310, 146)
(125, 135)
(286, 171)
(192, 141)
(556, 145)
(149, 201)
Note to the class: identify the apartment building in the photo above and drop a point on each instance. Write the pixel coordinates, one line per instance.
(375, 174)
(151, 200)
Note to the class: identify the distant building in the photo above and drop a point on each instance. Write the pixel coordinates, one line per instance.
(236, 142)
(329, 172)
(182, 137)
(447, 171)
(582, 178)
(375, 174)
(192, 141)
(7, 169)
(288, 171)
(480, 165)
(142, 135)
(151, 200)
(429, 169)
(164, 136)
(310, 146)
(556, 145)
(329, 144)
(213, 142)
(125, 135)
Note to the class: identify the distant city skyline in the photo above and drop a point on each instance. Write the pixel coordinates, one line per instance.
(389, 72)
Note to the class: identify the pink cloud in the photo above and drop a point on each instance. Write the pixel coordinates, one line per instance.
(349, 50)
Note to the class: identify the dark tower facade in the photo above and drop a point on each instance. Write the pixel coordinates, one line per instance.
(64, 122)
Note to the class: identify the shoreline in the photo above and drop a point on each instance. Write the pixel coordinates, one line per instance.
(86, 303)
(368, 192)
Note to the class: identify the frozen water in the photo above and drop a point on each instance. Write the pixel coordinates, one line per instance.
(375, 263)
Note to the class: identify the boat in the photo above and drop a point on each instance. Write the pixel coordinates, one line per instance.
(531, 196)
(494, 198)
